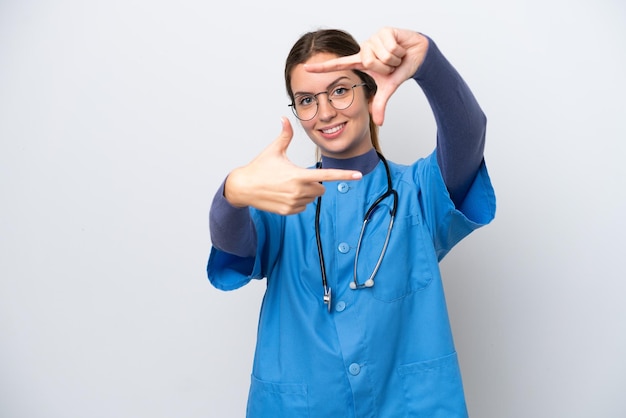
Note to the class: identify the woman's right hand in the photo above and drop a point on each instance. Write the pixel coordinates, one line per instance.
(272, 183)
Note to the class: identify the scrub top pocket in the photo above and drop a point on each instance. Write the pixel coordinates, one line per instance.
(406, 267)
(434, 388)
(271, 400)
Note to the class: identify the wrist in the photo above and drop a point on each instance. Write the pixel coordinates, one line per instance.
(231, 194)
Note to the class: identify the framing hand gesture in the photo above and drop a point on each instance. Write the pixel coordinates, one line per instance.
(391, 56)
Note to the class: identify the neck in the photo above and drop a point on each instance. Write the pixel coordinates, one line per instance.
(364, 163)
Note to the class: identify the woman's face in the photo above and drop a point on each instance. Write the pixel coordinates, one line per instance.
(338, 133)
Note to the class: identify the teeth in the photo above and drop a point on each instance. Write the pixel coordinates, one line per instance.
(332, 130)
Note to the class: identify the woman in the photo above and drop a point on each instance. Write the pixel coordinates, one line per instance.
(354, 321)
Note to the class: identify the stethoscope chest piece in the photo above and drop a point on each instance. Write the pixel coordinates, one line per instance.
(368, 283)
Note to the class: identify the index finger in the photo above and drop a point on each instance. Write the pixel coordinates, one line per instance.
(350, 62)
(331, 174)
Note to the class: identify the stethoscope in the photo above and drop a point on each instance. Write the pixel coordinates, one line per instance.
(354, 285)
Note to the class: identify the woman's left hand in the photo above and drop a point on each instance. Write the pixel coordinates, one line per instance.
(391, 57)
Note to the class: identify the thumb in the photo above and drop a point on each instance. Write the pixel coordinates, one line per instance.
(381, 98)
(281, 143)
(379, 103)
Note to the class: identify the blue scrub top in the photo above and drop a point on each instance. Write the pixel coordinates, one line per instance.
(385, 351)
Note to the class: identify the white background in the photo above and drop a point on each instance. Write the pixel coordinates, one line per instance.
(119, 119)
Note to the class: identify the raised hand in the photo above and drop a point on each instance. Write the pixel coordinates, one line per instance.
(391, 56)
(272, 183)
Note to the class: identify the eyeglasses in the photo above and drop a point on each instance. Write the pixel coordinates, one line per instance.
(340, 97)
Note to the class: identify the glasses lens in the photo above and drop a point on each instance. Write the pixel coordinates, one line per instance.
(305, 107)
(341, 97)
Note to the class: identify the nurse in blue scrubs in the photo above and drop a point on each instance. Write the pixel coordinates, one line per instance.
(354, 321)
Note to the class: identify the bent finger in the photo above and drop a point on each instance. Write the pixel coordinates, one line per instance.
(386, 51)
(372, 64)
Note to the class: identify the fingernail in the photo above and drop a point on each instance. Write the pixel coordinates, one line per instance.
(357, 175)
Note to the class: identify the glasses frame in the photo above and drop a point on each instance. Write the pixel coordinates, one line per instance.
(330, 101)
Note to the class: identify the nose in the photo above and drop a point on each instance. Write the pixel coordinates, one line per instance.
(325, 109)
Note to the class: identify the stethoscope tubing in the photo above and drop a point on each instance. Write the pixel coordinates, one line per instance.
(327, 298)
(370, 281)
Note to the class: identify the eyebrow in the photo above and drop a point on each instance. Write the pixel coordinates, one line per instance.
(335, 82)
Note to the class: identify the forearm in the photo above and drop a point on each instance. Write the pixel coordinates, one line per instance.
(232, 229)
(461, 124)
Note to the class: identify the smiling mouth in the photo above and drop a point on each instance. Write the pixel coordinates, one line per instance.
(333, 130)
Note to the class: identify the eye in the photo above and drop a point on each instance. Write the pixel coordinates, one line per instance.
(305, 101)
(339, 91)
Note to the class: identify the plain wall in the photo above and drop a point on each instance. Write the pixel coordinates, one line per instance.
(119, 120)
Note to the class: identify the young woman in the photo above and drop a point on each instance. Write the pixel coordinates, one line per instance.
(354, 321)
